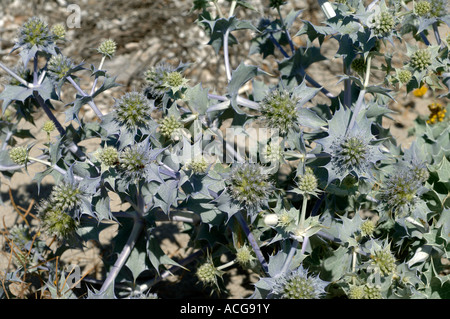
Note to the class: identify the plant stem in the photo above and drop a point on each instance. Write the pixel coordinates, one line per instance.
(96, 78)
(72, 147)
(232, 7)
(225, 54)
(347, 88)
(302, 217)
(14, 75)
(437, 35)
(360, 100)
(138, 226)
(218, 9)
(283, 26)
(91, 102)
(228, 264)
(252, 241)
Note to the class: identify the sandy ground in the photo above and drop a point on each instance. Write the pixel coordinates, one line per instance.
(169, 33)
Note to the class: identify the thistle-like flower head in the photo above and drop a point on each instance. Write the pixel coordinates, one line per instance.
(279, 110)
(59, 32)
(56, 221)
(422, 8)
(400, 191)
(19, 155)
(170, 127)
(107, 48)
(298, 284)
(245, 256)
(208, 274)
(136, 162)
(59, 66)
(133, 110)
(383, 23)
(404, 76)
(356, 292)
(249, 185)
(420, 59)
(438, 8)
(35, 32)
(162, 78)
(372, 292)
(66, 196)
(308, 183)
(49, 126)
(109, 156)
(352, 152)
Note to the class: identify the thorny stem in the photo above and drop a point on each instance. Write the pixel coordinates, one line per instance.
(252, 241)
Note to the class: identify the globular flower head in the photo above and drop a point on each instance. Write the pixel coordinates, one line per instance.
(438, 8)
(279, 110)
(298, 284)
(49, 126)
(367, 228)
(107, 48)
(356, 292)
(59, 32)
(156, 79)
(372, 292)
(399, 192)
(307, 183)
(384, 261)
(170, 127)
(56, 221)
(248, 185)
(383, 23)
(109, 156)
(174, 81)
(35, 32)
(353, 151)
(273, 152)
(19, 155)
(245, 256)
(422, 8)
(208, 274)
(66, 196)
(420, 59)
(198, 166)
(404, 76)
(133, 110)
(59, 66)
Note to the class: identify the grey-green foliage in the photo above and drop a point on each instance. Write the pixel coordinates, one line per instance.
(370, 221)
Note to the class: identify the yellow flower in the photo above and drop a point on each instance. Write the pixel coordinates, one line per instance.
(437, 113)
(420, 91)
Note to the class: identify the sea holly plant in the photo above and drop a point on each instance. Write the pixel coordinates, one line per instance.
(305, 188)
